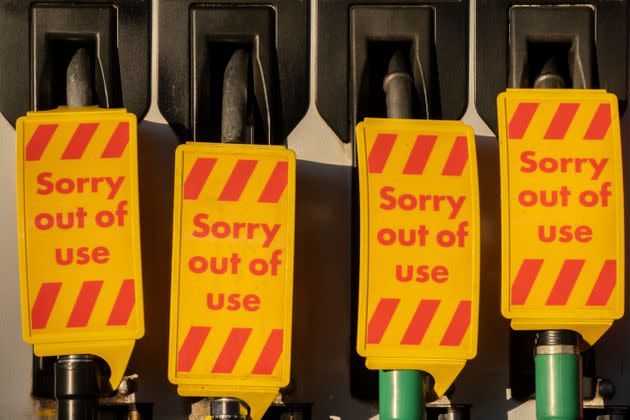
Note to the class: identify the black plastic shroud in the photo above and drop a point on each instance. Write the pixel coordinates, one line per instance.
(39, 38)
(195, 36)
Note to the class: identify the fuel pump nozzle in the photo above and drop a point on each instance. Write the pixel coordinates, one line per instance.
(78, 377)
(549, 77)
(233, 123)
(79, 80)
(234, 104)
(401, 392)
(397, 85)
(557, 358)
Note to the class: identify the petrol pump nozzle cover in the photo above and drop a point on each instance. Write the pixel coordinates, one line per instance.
(79, 233)
(232, 279)
(561, 210)
(419, 269)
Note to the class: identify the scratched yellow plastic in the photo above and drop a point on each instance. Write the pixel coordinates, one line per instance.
(38, 246)
(520, 224)
(378, 262)
(190, 290)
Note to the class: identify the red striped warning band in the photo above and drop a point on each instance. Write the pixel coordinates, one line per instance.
(78, 142)
(419, 155)
(242, 173)
(560, 122)
(84, 304)
(565, 282)
(420, 322)
(231, 351)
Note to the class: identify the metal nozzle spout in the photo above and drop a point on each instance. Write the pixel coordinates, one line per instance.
(397, 86)
(234, 106)
(79, 79)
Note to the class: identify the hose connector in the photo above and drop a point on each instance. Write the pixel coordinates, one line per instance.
(558, 378)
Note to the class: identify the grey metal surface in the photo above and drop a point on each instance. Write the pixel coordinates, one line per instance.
(226, 409)
(79, 79)
(234, 106)
(397, 86)
(78, 383)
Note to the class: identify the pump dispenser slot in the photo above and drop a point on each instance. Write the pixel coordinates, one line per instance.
(57, 33)
(376, 33)
(50, 87)
(370, 87)
(196, 42)
(40, 37)
(216, 33)
(355, 39)
(515, 38)
(208, 90)
(561, 37)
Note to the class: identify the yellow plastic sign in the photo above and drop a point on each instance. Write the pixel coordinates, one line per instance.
(419, 270)
(79, 233)
(562, 210)
(232, 279)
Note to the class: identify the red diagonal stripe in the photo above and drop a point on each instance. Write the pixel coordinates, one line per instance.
(525, 280)
(231, 350)
(520, 120)
(238, 180)
(380, 151)
(561, 121)
(420, 322)
(188, 352)
(117, 142)
(419, 155)
(79, 141)
(197, 177)
(457, 159)
(44, 303)
(270, 354)
(123, 306)
(39, 140)
(459, 325)
(84, 304)
(380, 319)
(276, 184)
(604, 285)
(565, 282)
(600, 123)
